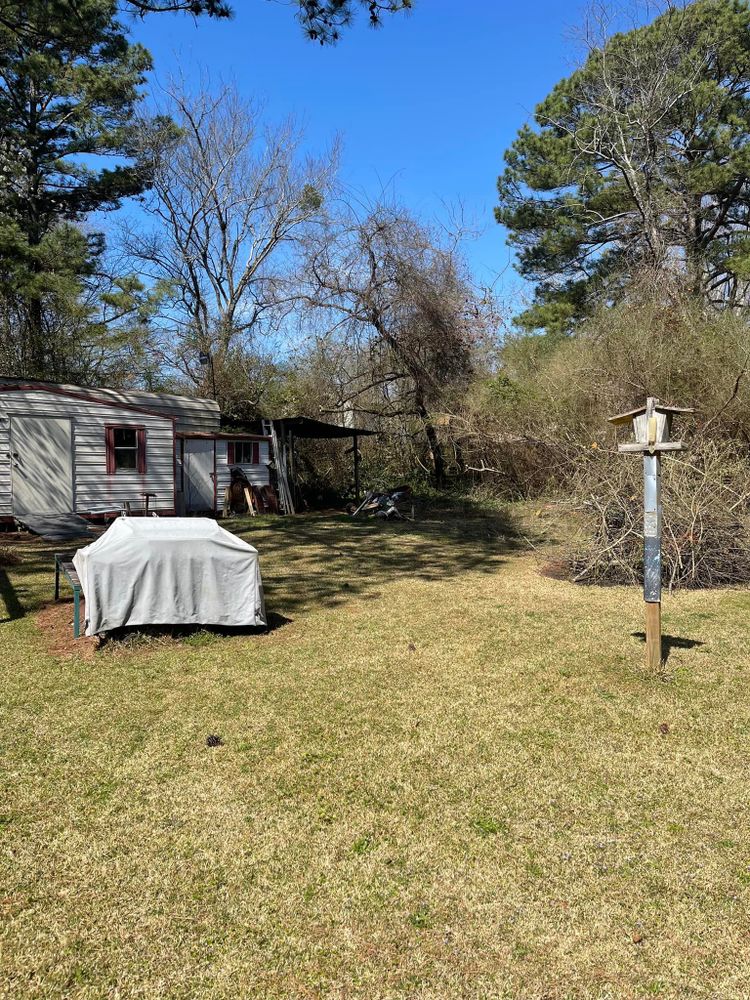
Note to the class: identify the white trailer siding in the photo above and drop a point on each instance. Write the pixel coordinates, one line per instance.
(94, 488)
(191, 414)
(258, 474)
(6, 493)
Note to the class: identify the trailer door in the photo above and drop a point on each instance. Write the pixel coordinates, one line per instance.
(42, 463)
(198, 465)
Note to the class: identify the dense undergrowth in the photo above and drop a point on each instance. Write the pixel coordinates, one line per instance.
(541, 428)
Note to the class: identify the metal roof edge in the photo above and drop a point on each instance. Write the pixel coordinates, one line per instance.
(58, 390)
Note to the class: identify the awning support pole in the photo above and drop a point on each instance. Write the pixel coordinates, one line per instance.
(355, 439)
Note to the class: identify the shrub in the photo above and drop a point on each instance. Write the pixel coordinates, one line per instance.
(705, 524)
(531, 423)
(540, 426)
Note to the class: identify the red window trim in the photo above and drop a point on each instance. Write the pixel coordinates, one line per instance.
(255, 456)
(141, 450)
(109, 438)
(109, 441)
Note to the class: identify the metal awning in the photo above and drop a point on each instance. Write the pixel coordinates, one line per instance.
(307, 427)
(286, 430)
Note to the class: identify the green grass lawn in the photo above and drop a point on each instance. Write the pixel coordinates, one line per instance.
(443, 775)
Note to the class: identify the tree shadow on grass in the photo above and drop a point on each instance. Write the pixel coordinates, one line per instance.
(670, 642)
(13, 607)
(29, 582)
(324, 560)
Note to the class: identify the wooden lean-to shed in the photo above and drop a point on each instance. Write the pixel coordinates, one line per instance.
(205, 461)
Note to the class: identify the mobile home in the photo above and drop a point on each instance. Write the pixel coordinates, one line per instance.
(66, 448)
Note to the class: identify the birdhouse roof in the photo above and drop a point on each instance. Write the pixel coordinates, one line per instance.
(624, 418)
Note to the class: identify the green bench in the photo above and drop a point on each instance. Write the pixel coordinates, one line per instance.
(64, 567)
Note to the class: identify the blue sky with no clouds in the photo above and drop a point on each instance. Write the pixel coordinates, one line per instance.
(427, 104)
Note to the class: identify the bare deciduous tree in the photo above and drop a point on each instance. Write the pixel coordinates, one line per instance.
(399, 314)
(233, 200)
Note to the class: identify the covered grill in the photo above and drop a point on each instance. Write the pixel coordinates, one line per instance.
(169, 571)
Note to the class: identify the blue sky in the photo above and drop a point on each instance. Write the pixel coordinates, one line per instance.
(427, 104)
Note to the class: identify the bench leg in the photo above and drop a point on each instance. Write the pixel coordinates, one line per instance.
(76, 612)
(57, 579)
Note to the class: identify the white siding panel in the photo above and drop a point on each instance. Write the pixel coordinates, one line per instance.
(94, 488)
(258, 474)
(191, 414)
(5, 489)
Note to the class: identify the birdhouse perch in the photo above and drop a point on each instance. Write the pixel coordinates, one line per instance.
(652, 426)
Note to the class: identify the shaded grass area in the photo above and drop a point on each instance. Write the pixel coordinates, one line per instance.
(327, 561)
(445, 776)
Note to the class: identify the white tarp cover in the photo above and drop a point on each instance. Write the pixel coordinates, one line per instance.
(169, 571)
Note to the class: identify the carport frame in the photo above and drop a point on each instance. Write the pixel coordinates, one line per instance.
(288, 429)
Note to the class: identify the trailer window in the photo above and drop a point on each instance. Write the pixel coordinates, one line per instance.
(126, 449)
(243, 453)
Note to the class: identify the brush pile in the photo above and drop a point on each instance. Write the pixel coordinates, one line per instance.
(706, 517)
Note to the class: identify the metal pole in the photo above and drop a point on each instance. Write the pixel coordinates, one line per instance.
(292, 467)
(652, 546)
(356, 468)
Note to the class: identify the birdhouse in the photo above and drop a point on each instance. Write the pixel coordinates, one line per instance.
(652, 427)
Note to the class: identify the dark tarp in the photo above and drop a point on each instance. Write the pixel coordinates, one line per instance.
(57, 527)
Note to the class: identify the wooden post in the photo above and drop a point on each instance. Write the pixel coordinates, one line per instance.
(653, 635)
(356, 468)
(249, 501)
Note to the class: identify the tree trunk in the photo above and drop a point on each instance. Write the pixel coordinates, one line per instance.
(460, 460)
(433, 444)
(35, 349)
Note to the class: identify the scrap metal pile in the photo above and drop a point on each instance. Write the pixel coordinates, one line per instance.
(387, 504)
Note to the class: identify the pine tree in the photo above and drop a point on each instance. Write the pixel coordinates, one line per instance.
(639, 160)
(322, 20)
(69, 83)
